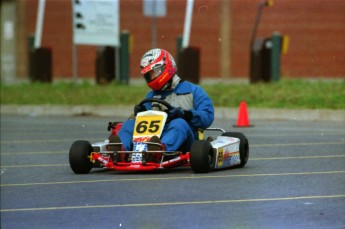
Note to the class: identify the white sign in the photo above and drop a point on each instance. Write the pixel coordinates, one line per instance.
(96, 22)
(155, 8)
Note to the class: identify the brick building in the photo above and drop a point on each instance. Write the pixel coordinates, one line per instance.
(221, 29)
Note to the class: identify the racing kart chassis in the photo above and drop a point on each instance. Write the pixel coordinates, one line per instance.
(230, 149)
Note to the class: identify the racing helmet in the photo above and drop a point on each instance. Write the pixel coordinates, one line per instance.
(158, 68)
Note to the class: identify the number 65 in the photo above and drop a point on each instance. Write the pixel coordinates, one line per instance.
(144, 126)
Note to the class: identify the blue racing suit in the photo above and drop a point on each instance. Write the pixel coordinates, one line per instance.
(178, 134)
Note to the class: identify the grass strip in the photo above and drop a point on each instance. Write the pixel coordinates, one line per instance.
(287, 93)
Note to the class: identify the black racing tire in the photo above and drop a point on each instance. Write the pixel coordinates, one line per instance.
(244, 146)
(202, 157)
(79, 157)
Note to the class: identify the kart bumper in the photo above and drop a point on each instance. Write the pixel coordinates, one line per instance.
(115, 161)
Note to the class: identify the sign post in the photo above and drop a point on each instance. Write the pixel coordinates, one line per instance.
(39, 24)
(154, 9)
(187, 23)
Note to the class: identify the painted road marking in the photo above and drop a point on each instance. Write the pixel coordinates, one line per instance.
(298, 157)
(176, 178)
(26, 153)
(251, 146)
(298, 144)
(46, 141)
(28, 166)
(164, 204)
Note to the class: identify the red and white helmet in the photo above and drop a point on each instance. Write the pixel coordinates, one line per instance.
(158, 68)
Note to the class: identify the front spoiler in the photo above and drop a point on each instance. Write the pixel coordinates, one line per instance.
(114, 160)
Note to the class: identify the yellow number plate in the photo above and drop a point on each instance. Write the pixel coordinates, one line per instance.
(148, 126)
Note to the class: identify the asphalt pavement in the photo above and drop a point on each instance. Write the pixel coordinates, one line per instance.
(295, 178)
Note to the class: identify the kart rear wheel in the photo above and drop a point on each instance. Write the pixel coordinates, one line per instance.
(244, 146)
(202, 156)
(79, 157)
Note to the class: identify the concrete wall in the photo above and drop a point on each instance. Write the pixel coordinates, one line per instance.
(316, 29)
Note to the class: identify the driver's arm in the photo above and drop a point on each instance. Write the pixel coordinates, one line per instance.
(203, 112)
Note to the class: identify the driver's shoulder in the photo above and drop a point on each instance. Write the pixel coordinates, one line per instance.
(185, 87)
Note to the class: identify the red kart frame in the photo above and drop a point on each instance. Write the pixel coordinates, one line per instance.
(115, 160)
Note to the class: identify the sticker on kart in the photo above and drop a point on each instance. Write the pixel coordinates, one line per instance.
(228, 155)
(148, 124)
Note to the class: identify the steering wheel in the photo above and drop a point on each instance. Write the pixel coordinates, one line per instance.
(159, 101)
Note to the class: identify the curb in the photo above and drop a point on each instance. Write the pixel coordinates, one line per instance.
(220, 112)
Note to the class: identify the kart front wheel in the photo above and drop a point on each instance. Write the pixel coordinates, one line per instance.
(202, 156)
(79, 157)
(244, 146)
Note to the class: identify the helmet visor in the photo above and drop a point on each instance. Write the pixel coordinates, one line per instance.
(154, 73)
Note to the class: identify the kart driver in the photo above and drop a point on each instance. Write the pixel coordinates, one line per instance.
(192, 107)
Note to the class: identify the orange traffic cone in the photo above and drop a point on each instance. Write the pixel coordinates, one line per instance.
(243, 119)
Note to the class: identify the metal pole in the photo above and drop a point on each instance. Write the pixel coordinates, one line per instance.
(255, 66)
(74, 50)
(117, 64)
(75, 62)
(275, 56)
(187, 23)
(225, 42)
(154, 24)
(39, 23)
(154, 31)
(257, 20)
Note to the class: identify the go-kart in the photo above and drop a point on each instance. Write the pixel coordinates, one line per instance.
(230, 149)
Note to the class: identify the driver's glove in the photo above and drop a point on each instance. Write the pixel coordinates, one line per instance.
(177, 112)
(139, 108)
